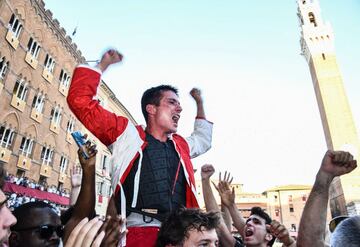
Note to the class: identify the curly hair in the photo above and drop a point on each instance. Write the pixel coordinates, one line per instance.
(175, 229)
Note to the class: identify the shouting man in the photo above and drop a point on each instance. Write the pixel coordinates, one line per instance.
(152, 171)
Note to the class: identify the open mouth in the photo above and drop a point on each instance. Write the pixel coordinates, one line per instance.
(249, 232)
(176, 118)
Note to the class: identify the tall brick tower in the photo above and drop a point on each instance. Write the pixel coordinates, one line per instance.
(317, 46)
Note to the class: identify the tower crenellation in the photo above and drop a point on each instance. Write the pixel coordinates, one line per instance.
(316, 35)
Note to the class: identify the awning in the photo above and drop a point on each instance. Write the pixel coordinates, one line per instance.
(42, 195)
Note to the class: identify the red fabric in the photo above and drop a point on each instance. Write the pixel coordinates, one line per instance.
(141, 236)
(103, 124)
(42, 195)
(183, 148)
(107, 126)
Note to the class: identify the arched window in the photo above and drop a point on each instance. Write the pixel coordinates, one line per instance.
(3, 68)
(26, 146)
(38, 102)
(47, 155)
(6, 136)
(70, 125)
(64, 161)
(49, 63)
(33, 47)
(15, 26)
(56, 115)
(64, 78)
(312, 18)
(20, 89)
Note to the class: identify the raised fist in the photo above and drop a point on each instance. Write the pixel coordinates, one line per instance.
(196, 94)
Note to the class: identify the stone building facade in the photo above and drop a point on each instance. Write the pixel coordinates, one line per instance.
(286, 204)
(37, 59)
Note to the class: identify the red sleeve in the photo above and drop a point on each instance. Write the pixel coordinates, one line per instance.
(106, 126)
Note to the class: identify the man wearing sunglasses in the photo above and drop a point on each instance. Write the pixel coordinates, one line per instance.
(37, 225)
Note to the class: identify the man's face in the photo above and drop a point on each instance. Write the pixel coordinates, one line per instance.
(40, 229)
(203, 238)
(6, 220)
(167, 114)
(255, 233)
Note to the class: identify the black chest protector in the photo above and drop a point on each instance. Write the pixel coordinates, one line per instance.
(162, 185)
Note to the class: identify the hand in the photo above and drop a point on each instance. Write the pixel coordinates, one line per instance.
(227, 195)
(114, 232)
(112, 56)
(89, 163)
(337, 163)
(76, 176)
(207, 171)
(85, 234)
(196, 94)
(280, 232)
(226, 178)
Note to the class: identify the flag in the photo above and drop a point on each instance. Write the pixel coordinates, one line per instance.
(74, 32)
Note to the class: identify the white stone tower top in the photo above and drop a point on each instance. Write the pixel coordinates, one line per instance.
(316, 35)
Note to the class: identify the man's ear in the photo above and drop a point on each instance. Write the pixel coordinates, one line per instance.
(150, 109)
(14, 239)
(268, 237)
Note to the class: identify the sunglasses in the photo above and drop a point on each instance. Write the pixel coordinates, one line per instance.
(3, 203)
(336, 221)
(46, 231)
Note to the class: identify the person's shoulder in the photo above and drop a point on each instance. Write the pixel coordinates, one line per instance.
(177, 137)
(238, 242)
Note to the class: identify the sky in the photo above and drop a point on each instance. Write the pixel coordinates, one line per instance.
(243, 55)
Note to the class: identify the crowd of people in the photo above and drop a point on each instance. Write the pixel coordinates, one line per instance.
(17, 199)
(154, 201)
(30, 183)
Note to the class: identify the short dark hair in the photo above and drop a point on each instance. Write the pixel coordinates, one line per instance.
(347, 233)
(153, 96)
(23, 212)
(174, 230)
(2, 174)
(261, 213)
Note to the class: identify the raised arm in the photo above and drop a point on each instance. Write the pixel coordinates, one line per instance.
(313, 220)
(76, 177)
(228, 200)
(110, 57)
(211, 205)
(226, 216)
(85, 204)
(103, 124)
(201, 138)
(196, 94)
